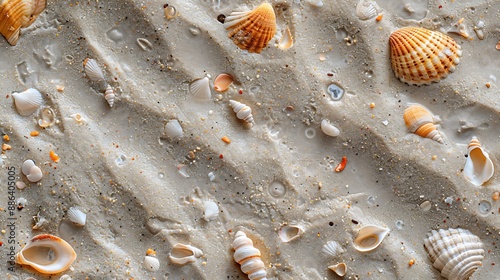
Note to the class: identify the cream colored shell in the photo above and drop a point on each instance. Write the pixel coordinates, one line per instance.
(243, 112)
(420, 121)
(200, 89)
(182, 254)
(286, 40)
(370, 237)
(288, 233)
(222, 82)
(478, 166)
(17, 14)
(92, 70)
(340, 269)
(248, 257)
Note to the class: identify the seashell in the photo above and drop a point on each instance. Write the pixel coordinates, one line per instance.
(211, 211)
(173, 129)
(27, 165)
(47, 117)
(459, 28)
(222, 82)
(77, 216)
(367, 9)
(329, 129)
(65, 277)
(33, 173)
(39, 221)
(252, 30)
(332, 248)
(200, 89)
(369, 237)
(17, 14)
(109, 95)
(182, 254)
(289, 233)
(27, 102)
(92, 70)
(456, 253)
(478, 165)
(243, 112)
(170, 11)
(248, 257)
(47, 254)
(286, 41)
(420, 121)
(151, 263)
(340, 269)
(420, 56)
(78, 118)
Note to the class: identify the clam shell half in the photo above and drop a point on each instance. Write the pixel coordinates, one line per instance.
(478, 166)
(370, 237)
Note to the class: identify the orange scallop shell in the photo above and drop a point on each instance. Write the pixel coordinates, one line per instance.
(420, 121)
(17, 14)
(252, 30)
(420, 56)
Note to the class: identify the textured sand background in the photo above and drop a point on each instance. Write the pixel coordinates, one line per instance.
(121, 170)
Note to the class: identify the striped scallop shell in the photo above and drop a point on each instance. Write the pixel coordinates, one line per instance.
(252, 30)
(248, 257)
(420, 121)
(28, 101)
(17, 14)
(420, 56)
(92, 70)
(478, 166)
(456, 253)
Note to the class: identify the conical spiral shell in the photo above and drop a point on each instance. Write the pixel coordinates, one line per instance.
(420, 56)
(243, 112)
(248, 257)
(478, 166)
(420, 121)
(252, 30)
(457, 253)
(109, 95)
(17, 14)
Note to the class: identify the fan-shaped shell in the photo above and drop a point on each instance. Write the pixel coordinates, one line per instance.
(200, 89)
(248, 257)
(288, 233)
(17, 14)
(332, 248)
(367, 9)
(92, 70)
(109, 95)
(47, 254)
(77, 216)
(420, 56)
(222, 82)
(370, 237)
(478, 165)
(211, 211)
(151, 263)
(173, 129)
(243, 112)
(28, 101)
(182, 254)
(252, 30)
(456, 253)
(420, 121)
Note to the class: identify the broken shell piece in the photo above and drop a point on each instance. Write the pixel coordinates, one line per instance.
(200, 89)
(479, 29)
(289, 233)
(47, 254)
(420, 121)
(173, 129)
(109, 95)
(17, 14)
(248, 257)
(243, 112)
(286, 41)
(39, 221)
(332, 248)
(367, 9)
(151, 263)
(211, 211)
(27, 102)
(478, 165)
(459, 28)
(92, 70)
(222, 82)
(47, 117)
(340, 269)
(182, 254)
(370, 237)
(329, 129)
(77, 216)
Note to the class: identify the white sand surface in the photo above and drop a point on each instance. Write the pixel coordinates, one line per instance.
(122, 171)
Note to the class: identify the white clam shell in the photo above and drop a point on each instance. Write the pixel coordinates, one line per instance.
(211, 210)
(173, 129)
(110, 96)
(47, 254)
(370, 237)
(288, 233)
(340, 269)
(367, 9)
(77, 216)
(329, 129)
(478, 165)
(151, 263)
(92, 70)
(243, 112)
(200, 89)
(182, 254)
(78, 118)
(27, 102)
(248, 257)
(332, 248)
(456, 253)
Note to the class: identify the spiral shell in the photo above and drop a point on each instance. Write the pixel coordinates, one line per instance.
(109, 95)
(243, 112)
(92, 70)
(478, 166)
(17, 14)
(252, 30)
(28, 101)
(420, 56)
(420, 121)
(456, 253)
(248, 257)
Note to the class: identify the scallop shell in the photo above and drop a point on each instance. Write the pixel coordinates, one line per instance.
(252, 30)
(27, 102)
(248, 257)
(92, 70)
(211, 211)
(173, 129)
(17, 14)
(340, 269)
(420, 56)
(151, 263)
(182, 254)
(243, 112)
(420, 121)
(456, 253)
(77, 216)
(222, 82)
(367, 9)
(478, 165)
(288, 233)
(332, 248)
(47, 254)
(286, 40)
(33, 173)
(369, 238)
(200, 89)
(109, 95)
(329, 129)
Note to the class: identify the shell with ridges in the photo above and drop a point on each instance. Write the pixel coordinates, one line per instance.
(47, 254)
(456, 253)
(367, 9)
(77, 216)
(288, 233)
(420, 56)
(243, 112)
(248, 257)
(478, 165)
(222, 82)
(332, 248)
(200, 89)
(92, 70)
(109, 95)
(151, 263)
(252, 30)
(211, 211)
(420, 121)
(369, 238)
(173, 129)
(28, 101)
(17, 14)
(182, 254)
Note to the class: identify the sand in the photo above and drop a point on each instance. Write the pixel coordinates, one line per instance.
(121, 169)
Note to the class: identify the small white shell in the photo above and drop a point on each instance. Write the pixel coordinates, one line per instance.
(39, 221)
(367, 9)
(27, 102)
(77, 216)
(288, 233)
(26, 167)
(92, 70)
(211, 210)
(332, 248)
(109, 95)
(173, 129)
(78, 118)
(286, 41)
(243, 112)
(33, 173)
(370, 237)
(248, 257)
(182, 254)
(478, 165)
(340, 269)
(200, 89)
(329, 129)
(151, 263)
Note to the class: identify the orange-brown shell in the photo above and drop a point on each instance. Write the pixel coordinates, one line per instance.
(17, 14)
(420, 56)
(252, 30)
(420, 121)
(222, 82)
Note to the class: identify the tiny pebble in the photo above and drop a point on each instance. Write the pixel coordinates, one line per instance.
(226, 139)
